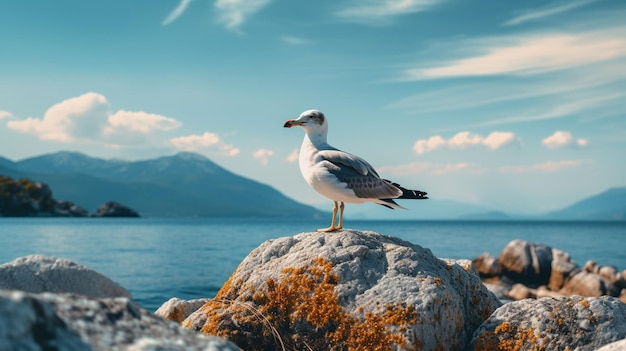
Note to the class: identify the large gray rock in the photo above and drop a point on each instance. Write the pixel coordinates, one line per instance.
(526, 263)
(573, 323)
(38, 273)
(66, 322)
(30, 324)
(346, 290)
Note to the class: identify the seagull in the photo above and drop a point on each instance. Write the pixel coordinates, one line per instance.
(339, 175)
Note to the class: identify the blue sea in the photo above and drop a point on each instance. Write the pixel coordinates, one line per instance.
(156, 259)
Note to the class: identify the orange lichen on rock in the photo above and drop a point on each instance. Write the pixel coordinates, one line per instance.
(301, 310)
(509, 338)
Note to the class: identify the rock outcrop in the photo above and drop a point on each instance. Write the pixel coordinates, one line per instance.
(114, 209)
(529, 270)
(346, 290)
(25, 198)
(38, 273)
(67, 322)
(565, 323)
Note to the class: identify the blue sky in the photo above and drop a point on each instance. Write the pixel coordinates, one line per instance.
(515, 105)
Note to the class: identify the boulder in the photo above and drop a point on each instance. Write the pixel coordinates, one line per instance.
(178, 310)
(67, 209)
(114, 209)
(566, 323)
(527, 263)
(589, 284)
(72, 322)
(487, 265)
(521, 291)
(38, 273)
(346, 290)
(500, 290)
(591, 267)
(28, 323)
(563, 268)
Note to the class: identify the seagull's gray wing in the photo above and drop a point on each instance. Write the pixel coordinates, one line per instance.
(359, 175)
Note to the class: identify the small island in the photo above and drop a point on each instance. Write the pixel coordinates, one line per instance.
(26, 198)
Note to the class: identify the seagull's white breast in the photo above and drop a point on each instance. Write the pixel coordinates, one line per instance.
(315, 171)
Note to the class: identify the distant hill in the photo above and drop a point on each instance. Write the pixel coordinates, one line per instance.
(609, 205)
(185, 184)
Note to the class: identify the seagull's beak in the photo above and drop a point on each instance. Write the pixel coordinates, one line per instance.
(292, 122)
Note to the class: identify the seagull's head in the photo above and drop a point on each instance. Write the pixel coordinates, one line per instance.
(313, 121)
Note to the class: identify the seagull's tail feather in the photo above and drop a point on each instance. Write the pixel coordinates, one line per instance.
(410, 194)
(390, 204)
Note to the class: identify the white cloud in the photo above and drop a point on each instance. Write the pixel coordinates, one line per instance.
(233, 13)
(5, 114)
(425, 145)
(177, 12)
(529, 55)
(74, 118)
(563, 138)
(462, 140)
(205, 142)
(550, 10)
(376, 12)
(140, 122)
(293, 156)
(544, 167)
(88, 118)
(263, 155)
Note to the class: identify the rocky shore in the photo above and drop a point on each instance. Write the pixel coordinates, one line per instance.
(531, 270)
(348, 290)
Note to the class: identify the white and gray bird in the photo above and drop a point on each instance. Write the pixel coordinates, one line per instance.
(341, 176)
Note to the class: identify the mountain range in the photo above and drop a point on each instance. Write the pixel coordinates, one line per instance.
(191, 185)
(185, 184)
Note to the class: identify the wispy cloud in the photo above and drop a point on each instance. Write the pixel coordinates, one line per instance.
(177, 12)
(559, 110)
(544, 167)
(546, 11)
(561, 139)
(375, 12)
(207, 142)
(294, 40)
(462, 140)
(234, 13)
(263, 155)
(416, 168)
(529, 55)
(590, 81)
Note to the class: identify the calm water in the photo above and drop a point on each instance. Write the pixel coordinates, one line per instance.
(157, 259)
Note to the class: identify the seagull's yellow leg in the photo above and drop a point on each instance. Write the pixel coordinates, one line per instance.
(332, 223)
(340, 216)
